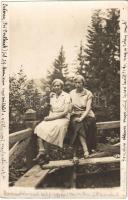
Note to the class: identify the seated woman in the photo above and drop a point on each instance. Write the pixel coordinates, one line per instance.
(54, 127)
(83, 123)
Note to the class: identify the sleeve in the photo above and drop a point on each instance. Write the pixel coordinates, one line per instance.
(90, 95)
(67, 99)
(51, 97)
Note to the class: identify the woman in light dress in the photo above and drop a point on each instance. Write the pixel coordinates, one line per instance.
(83, 123)
(54, 127)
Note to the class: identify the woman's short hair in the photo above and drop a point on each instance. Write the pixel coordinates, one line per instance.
(80, 77)
(58, 81)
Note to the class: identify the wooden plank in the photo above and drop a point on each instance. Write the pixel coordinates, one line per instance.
(108, 125)
(36, 174)
(17, 149)
(69, 163)
(13, 149)
(117, 144)
(19, 135)
(33, 177)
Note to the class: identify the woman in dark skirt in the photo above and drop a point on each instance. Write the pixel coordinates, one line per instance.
(83, 123)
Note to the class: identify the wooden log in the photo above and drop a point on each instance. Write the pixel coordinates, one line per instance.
(17, 150)
(110, 150)
(33, 177)
(19, 135)
(36, 174)
(69, 163)
(108, 125)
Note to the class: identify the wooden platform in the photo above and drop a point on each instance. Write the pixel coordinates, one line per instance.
(36, 174)
(19, 140)
(33, 177)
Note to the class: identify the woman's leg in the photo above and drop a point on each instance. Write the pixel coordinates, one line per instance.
(40, 145)
(91, 134)
(75, 148)
(41, 150)
(84, 145)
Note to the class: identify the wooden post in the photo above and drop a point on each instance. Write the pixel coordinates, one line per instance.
(30, 118)
(74, 177)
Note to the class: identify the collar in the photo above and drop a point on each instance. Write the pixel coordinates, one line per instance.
(53, 94)
(84, 92)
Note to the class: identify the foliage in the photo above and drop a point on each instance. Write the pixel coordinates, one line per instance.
(101, 60)
(59, 69)
(81, 65)
(22, 95)
(17, 85)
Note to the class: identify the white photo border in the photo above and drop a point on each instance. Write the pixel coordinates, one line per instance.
(21, 192)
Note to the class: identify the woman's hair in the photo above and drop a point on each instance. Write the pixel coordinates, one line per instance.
(80, 77)
(58, 81)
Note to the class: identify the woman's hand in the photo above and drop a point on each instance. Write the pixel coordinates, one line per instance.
(47, 118)
(78, 119)
(50, 118)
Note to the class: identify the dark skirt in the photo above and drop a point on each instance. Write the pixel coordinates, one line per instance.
(86, 128)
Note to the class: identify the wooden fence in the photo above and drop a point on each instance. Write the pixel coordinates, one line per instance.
(20, 140)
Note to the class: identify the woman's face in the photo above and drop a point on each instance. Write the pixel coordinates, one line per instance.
(78, 84)
(57, 88)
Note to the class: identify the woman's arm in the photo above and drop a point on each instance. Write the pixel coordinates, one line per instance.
(58, 115)
(88, 108)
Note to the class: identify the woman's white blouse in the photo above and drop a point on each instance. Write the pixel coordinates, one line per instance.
(58, 103)
(79, 101)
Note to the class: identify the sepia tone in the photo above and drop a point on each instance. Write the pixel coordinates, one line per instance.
(64, 97)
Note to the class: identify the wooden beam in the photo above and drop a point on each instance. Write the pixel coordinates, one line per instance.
(33, 177)
(108, 125)
(117, 144)
(36, 174)
(19, 135)
(17, 149)
(69, 163)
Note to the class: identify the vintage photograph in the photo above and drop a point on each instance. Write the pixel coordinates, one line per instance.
(64, 95)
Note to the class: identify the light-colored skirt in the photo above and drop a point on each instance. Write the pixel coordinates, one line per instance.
(53, 131)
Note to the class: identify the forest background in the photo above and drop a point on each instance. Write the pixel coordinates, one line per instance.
(98, 61)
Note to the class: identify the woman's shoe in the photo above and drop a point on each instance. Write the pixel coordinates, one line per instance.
(44, 160)
(86, 154)
(93, 151)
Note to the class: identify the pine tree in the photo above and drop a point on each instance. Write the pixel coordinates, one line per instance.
(112, 71)
(59, 69)
(23, 95)
(102, 55)
(81, 63)
(94, 51)
(32, 96)
(17, 86)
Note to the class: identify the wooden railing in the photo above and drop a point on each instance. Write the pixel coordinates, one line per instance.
(108, 125)
(21, 140)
